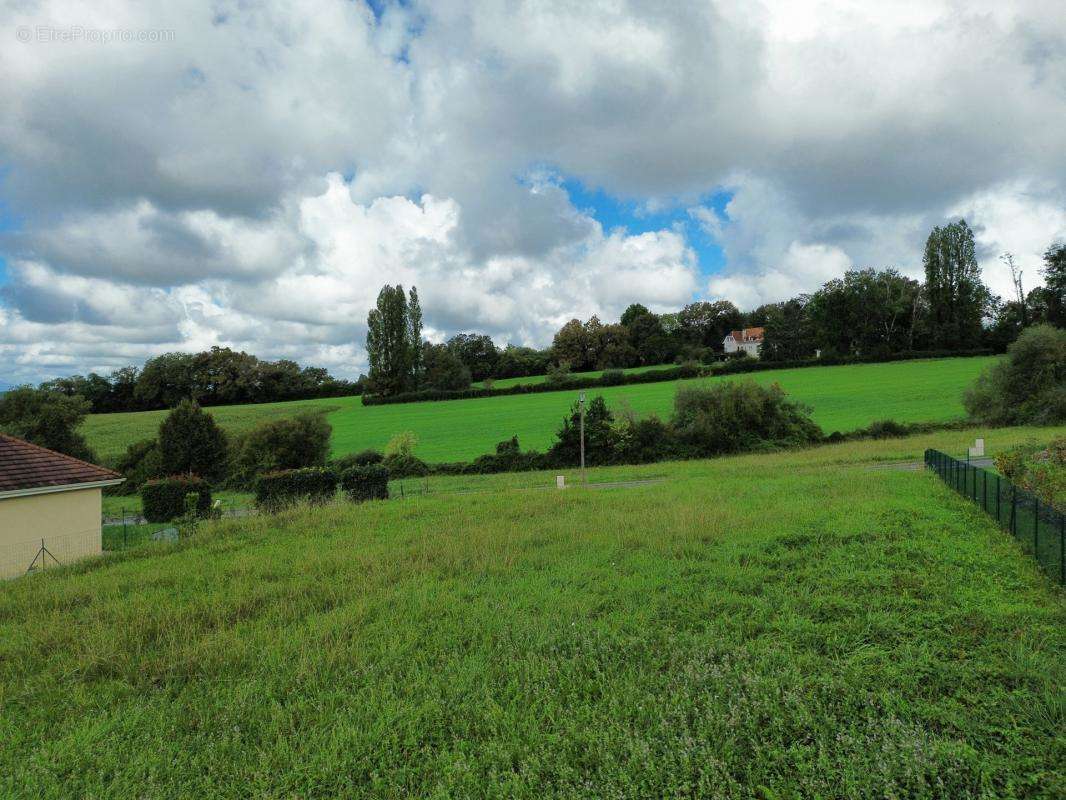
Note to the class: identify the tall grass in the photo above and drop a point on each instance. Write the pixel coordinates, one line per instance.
(776, 626)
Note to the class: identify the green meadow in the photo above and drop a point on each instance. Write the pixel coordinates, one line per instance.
(843, 398)
(783, 625)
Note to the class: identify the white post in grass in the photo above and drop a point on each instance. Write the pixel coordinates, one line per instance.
(581, 403)
(560, 481)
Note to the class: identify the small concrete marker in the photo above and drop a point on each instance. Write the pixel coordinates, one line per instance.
(560, 481)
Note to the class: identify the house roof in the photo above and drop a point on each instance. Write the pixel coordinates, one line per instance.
(748, 335)
(25, 466)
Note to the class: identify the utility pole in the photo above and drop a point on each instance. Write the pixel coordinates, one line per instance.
(581, 404)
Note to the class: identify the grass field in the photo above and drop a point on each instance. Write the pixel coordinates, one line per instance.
(764, 626)
(843, 398)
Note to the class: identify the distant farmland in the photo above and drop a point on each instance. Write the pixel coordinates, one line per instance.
(843, 398)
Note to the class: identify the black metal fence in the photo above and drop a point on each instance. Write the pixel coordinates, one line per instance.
(1039, 528)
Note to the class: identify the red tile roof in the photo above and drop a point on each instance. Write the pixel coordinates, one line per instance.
(748, 335)
(29, 466)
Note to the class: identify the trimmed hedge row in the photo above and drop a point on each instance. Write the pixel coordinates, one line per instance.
(619, 378)
(275, 491)
(613, 379)
(166, 498)
(283, 489)
(370, 482)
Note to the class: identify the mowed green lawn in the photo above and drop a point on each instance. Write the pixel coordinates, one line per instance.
(843, 398)
(762, 626)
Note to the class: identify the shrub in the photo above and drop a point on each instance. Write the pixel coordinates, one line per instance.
(277, 490)
(508, 457)
(735, 417)
(370, 482)
(361, 459)
(1028, 387)
(283, 444)
(164, 499)
(409, 466)
(886, 429)
(643, 441)
(558, 374)
(612, 377)
(400, 459)
(190, 442)
(139, 464)
(1037, 469)
(599, 436)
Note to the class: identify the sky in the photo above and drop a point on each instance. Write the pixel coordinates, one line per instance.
(180, 175)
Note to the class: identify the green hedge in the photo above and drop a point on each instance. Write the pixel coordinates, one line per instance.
(617, 378)
(366, 483)
(164, 499)
(277, 490)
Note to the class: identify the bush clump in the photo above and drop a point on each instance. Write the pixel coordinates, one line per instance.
(737, 417)
(370, 482)
(139, 464)
(400, 459)
(1028, 387)
(283, 444)
(165, 499)
(285, 488)
(1038, 469)
(361, 459)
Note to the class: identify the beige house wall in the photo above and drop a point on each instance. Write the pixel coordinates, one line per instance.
(68, 522)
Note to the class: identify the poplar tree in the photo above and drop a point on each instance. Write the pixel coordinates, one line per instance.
(957, 298)
(394, 341)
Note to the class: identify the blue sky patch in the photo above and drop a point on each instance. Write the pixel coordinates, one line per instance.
(636, 218)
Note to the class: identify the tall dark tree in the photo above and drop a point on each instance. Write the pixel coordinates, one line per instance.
(788, 333)
(647, 335)
(865, 312)
(632, 312)
(957, 298)
(477, 351)
(394, 341)
(706, 324)
(191, 443)
(414, 334)
(571, 346)
(166, 380)
(1054, 294)
(442, 368)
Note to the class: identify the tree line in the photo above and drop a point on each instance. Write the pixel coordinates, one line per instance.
(866, 312)
(219, 376)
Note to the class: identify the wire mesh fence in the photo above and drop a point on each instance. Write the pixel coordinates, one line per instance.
(33, 554)
(1038, 527)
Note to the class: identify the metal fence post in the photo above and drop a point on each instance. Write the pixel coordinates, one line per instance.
(1036, 528)
(1013, 511)
(999, 519)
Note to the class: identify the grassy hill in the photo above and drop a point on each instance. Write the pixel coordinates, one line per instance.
(843, 398)
(775, 626)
